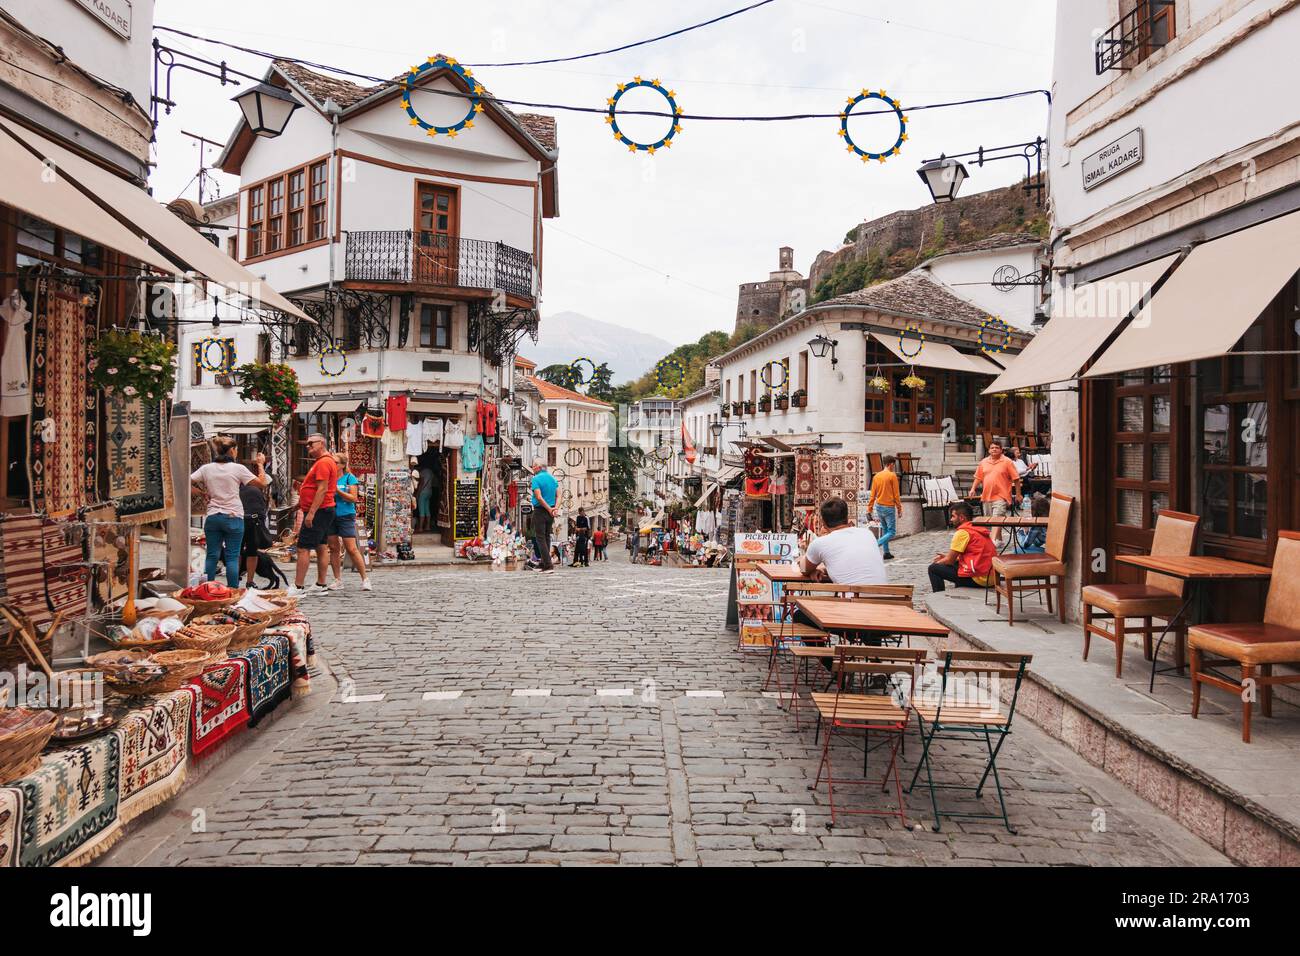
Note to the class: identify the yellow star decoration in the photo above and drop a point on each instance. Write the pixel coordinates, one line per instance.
(415, 69)
(618, 136)
(414, 121)
(864, 158)
(431, 132)
(849, 100)
(479, 89)
(650, 150)
(677, 127)
(895, 152)
(842, 133)
(668, 145)
(469, 124)
(622, 87)
(609, 119)
(883, 96)
(903, 137)
(469, 72)
(904, 119)
(678, 111)
(451, 133)
(478, 107)
(406, 102)
(672, 92)
(432, 59)
(610, 101)
(881, 158)
(865, 93)
(636, 79)
(849, 148)
(451, 60)
(631, 148)
(655, 82)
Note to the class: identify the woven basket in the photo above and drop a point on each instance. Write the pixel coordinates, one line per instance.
(287, 605)
(182, 667)
(208, 607)
(20, 749)
(183, 613)
(211, 639)
(126, 677)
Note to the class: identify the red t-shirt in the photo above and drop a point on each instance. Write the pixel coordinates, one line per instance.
(324, 470)
(598, 537)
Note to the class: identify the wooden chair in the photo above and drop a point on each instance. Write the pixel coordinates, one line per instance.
(844, 712)
(1158, 596)
(910, 475)
(875, 463)
(1254, 647)
(967, 706)
(1015, 574)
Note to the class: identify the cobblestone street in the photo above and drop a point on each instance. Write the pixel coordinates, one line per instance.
(599, 715)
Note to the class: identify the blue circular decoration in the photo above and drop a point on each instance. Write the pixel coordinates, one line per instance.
(911, 327)
(227, 362)
(631, 144)
(575, 373)
(442, 63)
(333, 349)
(785, 374)
(893, 105)
(992, 327)
(672, 366)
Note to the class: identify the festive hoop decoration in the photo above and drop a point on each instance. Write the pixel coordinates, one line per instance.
(632, 145)
(559, 474)
(785, 374)
(893, 105)
(911, 327)
(990, 328)
(669, 365)
(227, 362)
(567, 498)
(442, 63)
(664, 452)
(333, 349)
(573, 457)
(575, 374)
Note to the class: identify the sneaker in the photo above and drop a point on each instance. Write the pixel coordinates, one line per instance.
(296, 592)
(365, 584)
(888, 556)
(337, 585)
(320, 589)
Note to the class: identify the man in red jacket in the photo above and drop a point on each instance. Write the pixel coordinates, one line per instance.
(969, 561)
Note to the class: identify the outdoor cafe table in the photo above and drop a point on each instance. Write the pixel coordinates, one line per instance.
(1194, 570)
(783, 573)
(866, 617)
(1009, 521)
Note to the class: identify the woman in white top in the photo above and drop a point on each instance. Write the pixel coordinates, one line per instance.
(223, 528)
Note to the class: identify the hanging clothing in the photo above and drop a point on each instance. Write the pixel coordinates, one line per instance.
(396, 408)
(471, 454)
(395, 446)
(372, 426)
(414, 438)
(453, 435)
(487, 419)
(432, 432)
(15, 390)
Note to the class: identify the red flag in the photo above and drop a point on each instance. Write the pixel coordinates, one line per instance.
(688, 446)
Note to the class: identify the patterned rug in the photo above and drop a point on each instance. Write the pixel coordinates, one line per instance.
(758, 474)
(11, 814)
(63, 477)
(69, 807)
(268, 675)
(361, 456)
(222, 703)
(840, 476)
(139, 468)
(805, 479)
(296, 628)
(155, 744)
(67, 578)
(24, 566)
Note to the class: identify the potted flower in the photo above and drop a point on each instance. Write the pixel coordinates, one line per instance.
(799, 398)
(913, 381)
(878, 384)
(129, 364)
(765, 403)
(276, 386)
(737, 408)
(749, 407)
(782, 401)
(710, 449)
(726, 411)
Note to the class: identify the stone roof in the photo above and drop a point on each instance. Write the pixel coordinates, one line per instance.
(348, 94)
(999, 240)
(557, 394)
(913, 294)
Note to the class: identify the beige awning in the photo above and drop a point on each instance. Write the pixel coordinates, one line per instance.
(240, 429)
(331, 405)
(1210, 302)
(165, 230)
(1083, 317)
(938, 355)
(43, 191)
(444, 408)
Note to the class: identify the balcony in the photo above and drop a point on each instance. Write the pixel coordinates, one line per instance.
(403, 257)
(1143, 30)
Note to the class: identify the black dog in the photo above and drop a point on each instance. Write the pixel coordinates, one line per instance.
(267, 569)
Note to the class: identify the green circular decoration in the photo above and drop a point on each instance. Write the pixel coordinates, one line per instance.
(669, 373)
(332, 349)
(911, 327)
(883, 97)
(441, 63)
(227, 362)
(632, 145)
(990, 329)
(575, 374)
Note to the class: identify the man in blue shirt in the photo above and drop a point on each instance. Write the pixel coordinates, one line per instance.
(544, 488)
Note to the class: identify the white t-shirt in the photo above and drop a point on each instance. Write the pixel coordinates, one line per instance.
(222, 481)
(1021, 468)
(851, 556)
(414, 437)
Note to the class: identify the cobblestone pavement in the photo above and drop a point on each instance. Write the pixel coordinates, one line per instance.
(599, 715)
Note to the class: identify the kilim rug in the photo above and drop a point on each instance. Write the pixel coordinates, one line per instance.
(63, 476)
(298, 631)
(67, 576)
(361, 456)
(70, 805)
(155, 745)
(268, 675)
(24, 566)
(139, 468)
(805, 479)
(840, 476)
(222, 703)
(11, 814)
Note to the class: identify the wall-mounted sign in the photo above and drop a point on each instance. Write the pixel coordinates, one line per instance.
(114, 14)
(1118, 157)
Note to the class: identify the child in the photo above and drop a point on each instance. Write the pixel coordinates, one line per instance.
(1034, 540)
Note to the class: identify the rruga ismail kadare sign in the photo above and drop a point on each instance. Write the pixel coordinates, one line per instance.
(1111, 160)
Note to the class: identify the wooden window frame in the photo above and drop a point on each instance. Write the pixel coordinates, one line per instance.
(877, 355)
(266, 228)
(442, 319)
(1147, 438)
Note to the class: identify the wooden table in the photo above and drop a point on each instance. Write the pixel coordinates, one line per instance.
(1193, 569)
(868, 617)
(1009, 521)
(783, 573)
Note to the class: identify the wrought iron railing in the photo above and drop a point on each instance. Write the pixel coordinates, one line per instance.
(1147, 27)
(405, 256)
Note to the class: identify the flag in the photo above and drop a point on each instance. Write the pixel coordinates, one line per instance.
(688, 446)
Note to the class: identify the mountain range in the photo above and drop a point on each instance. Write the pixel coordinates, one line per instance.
(565, 336)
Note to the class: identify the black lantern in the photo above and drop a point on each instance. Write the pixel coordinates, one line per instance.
(716, 428)
(943, 177)
(820, 345)
(267, 108)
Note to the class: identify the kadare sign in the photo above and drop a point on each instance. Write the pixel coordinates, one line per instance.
(1115, 158)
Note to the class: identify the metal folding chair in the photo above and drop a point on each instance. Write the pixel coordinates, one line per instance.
(964, 704)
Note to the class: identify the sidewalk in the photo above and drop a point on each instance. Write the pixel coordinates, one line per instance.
(1243, 799)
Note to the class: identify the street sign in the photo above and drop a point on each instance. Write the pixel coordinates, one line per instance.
(1111, 160)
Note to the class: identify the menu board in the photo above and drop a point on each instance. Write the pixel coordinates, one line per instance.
(467, 509)
(755, 596)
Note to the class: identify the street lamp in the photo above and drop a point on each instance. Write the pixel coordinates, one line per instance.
(820, 345)
(943, 177)
(267, 108)
(716, 428)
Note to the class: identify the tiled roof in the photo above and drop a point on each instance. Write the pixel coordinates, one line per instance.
(348, 94)
(999, 240)
(558, 394)
(521, 362)
(913, 294)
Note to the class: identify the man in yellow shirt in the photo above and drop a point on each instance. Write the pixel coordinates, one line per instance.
(887, 502)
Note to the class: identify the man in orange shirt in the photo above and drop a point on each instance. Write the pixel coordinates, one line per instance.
(316, 502)
(1001, 483)
(887, 502)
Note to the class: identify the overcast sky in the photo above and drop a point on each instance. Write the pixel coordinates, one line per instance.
(661, 243)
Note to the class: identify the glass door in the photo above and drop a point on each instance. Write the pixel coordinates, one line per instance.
(437, 226)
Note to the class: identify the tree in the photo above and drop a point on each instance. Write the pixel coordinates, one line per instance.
(561, 375)
(601, 385)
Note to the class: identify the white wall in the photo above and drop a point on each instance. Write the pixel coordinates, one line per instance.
(970, 276)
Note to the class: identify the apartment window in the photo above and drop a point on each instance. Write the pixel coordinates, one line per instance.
(288, 210)
(319, 191)
(435, 326)
(256, 214)
(297, 204)
(264, 348)
(803, 371)
(552, 418)
(550, 457)
(232, 247)
(275, 215)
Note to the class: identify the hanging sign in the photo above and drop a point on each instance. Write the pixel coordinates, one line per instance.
(1115, 158)
(114, 14)
(467, 509)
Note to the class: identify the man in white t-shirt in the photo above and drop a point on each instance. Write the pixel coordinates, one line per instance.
(847, 554)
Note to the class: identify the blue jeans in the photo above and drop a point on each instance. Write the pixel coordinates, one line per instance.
(224, 534)
(887, 518)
